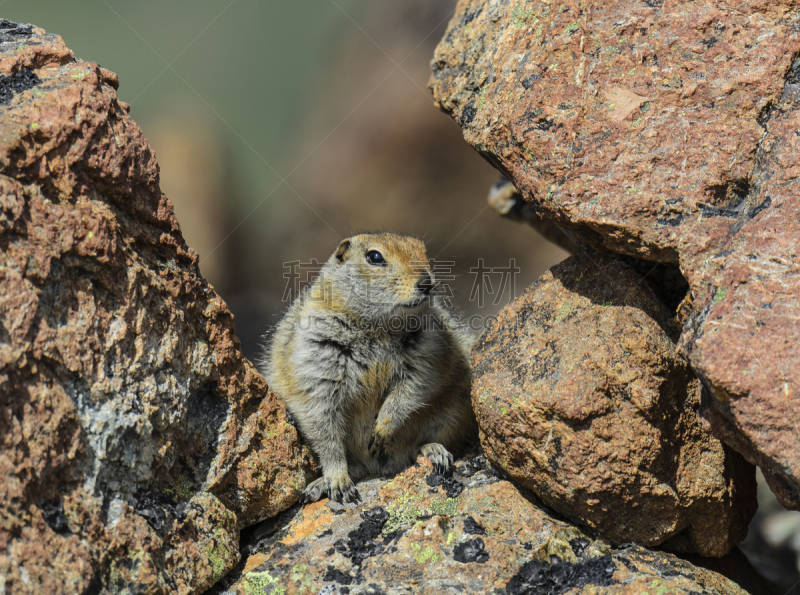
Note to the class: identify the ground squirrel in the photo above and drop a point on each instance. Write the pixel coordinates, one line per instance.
(373, 366)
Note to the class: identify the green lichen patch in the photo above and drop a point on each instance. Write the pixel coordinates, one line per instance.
(217, 563)
(521, 17)
(447, 508)
(401, 512)
(426, 554)
(258, 583)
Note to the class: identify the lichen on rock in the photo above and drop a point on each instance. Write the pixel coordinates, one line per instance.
(521, 548)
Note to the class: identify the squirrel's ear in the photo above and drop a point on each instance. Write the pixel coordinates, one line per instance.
(342, 250)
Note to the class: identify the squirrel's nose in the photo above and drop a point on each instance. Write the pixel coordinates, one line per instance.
(425, 284)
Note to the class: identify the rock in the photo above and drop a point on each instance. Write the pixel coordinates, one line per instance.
(509, 203)
(582, 397)
(408, 537)
(662, 131)
(136, 439)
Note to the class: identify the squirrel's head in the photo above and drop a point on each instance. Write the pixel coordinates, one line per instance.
(379, 274)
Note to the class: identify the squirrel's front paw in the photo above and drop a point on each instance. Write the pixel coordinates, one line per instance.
(438, 455)
(341, 489)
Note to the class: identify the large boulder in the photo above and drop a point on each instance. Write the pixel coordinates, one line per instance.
(663, 131)
(582, 397)
(136, 439)
(469, 533)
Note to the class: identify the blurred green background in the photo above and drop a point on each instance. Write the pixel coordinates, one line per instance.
(282, 127)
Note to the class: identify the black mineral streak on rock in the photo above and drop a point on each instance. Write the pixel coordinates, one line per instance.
(468, 115)
(18, 29)
(206, 412)
(673, 220)
(471, 527)
(53, 511)
(11, 31)
(18, 82)
(628, 564)
(451, 486)
(546, 124)
(159, 510)
(757, 209)
(555, 459)
(529, 80)
(579, 545)
(542, 366)
(471, 466)
(540, 578)
(337, 576)
(360, 543)
(661, 566)
(151, 508)
(470, 16)
(471, 551)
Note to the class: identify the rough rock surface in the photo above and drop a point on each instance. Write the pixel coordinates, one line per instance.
(582, 397)
(470, 533)
(663, 130)
(136, 439)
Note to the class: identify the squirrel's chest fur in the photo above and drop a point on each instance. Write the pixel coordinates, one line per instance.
(360, 365)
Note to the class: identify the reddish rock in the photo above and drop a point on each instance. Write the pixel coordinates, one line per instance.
(135, 438)
(582, 397)
(470, 533)
(663, 131)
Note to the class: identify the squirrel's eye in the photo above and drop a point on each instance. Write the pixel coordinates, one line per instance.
(375, 257)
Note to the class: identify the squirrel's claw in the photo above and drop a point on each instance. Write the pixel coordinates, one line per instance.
(342, 490)
(351, 495)
(438, 455)
(313, 491)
